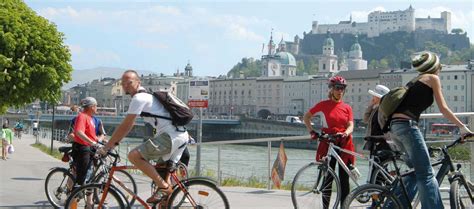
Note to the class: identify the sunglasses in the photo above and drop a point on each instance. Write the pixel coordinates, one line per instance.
(339, 87)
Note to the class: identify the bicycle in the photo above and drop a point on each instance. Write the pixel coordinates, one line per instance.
(59, 182)
(311, 182)
(195, 192)
(376, 196)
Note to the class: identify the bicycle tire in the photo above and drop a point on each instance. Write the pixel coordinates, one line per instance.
(305, 180)
(458, 196)
(361, 197)
(203, 192)
(61, 191)
(78, 197)
(378, 178)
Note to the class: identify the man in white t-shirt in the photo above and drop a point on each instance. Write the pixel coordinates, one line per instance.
(167, 144)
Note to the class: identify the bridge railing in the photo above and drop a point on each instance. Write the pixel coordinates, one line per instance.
(424, 117)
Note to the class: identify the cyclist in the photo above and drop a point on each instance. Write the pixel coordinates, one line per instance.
(337, 119)
(18, 129)
(167, 144)
(406, 135)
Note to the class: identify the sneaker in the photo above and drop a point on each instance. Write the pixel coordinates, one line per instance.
(160, 194)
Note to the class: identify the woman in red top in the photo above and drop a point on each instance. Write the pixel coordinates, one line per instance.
(337, 118)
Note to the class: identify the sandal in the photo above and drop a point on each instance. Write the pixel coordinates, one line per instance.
(160, 194)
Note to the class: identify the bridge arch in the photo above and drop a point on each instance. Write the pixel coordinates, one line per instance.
(263, 113)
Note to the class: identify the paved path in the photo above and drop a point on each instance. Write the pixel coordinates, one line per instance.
(22, 178)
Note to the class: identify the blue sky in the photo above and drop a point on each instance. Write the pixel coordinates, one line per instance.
(161, 36)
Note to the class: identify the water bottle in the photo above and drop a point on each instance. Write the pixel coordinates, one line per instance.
(355, 172)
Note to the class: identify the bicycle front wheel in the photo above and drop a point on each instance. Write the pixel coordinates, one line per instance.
(459, 197)
(58, 185)
(198, 194)
(371, 196)
(312, 188)
(83, 197)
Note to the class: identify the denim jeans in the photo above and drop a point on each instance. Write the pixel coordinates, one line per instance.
(407, 136)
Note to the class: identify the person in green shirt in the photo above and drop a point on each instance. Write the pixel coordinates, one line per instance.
(7, 137)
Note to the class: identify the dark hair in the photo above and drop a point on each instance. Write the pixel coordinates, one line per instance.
(5, 125)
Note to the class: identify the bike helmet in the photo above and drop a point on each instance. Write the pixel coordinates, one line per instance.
(337, 80)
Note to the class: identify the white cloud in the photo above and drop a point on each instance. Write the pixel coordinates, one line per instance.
(160, 20)
(240, 32)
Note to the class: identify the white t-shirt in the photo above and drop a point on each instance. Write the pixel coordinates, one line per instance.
(146, 102)
(35, 125)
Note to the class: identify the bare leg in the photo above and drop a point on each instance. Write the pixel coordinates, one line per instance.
(135, 157)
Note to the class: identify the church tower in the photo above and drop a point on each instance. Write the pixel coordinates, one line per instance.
(328, 61)
(188, 70)
(355, 61)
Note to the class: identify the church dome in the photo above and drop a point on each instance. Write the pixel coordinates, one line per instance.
(286, 58)
(356, 47)
(329, 42)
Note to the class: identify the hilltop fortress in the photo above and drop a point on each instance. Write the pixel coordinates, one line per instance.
(379, 22)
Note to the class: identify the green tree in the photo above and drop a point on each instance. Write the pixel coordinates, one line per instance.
(300, 69)
(34, 62)
(248, 66)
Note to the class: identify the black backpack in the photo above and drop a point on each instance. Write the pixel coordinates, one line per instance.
(180, 113)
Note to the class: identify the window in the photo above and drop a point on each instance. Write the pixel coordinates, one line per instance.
(455, 87)
(455, 77)
(324, 66)
(455, 98)
(448, 77)
(448, 87)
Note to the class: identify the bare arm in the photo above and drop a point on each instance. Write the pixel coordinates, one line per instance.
(84, 137)
(307, 121)
(439, 98)
(350, 128)
(122, 130)
(367, 113)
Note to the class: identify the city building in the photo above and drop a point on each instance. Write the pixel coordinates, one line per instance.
(379, 22)
(278, 62)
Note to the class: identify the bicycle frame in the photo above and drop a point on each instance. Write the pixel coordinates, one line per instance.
(333, 153)
(135, 196)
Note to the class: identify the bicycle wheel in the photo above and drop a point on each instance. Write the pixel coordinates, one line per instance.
(127, 179)
(380, 178)
(309, 187)
(204, 193)
(459, 196)
(58, 185)
(82, 197)
(371, 196)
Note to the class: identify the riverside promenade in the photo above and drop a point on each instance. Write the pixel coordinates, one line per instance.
(23, 174)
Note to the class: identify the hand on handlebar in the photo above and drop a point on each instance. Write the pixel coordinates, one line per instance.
(466, 136)
(342, 135)
(314, 134)
(101, 151)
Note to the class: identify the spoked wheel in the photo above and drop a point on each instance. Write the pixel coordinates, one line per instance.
(371, 196)
(58, 185)
(386, 178)
(312, 185)
(83, 197)
(459, 195)
(198, 194)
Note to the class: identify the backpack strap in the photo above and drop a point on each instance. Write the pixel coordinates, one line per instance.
(147, 114)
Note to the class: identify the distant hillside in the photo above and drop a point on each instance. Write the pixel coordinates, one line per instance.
(87, 75)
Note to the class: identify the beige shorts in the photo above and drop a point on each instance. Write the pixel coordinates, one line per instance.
(155, 148)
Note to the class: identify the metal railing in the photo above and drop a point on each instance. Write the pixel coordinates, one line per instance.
(269, 141)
